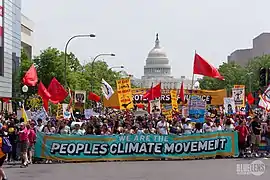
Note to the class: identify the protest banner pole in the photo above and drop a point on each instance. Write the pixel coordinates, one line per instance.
(192, 83)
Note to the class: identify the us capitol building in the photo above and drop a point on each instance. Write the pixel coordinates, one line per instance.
(157, 69)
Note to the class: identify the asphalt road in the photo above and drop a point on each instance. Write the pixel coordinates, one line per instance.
(220, 169)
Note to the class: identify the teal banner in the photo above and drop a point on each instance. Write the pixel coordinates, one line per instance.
(135, 147)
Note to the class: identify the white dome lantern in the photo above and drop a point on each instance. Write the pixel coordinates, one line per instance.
(157, 51)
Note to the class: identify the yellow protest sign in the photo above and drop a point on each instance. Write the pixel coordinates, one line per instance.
(167, 114)
(167, 111)
(125, 97)
(174, 100)
(59, 111)
(238, 93)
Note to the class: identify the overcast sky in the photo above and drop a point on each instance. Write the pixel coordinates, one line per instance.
(213, 28)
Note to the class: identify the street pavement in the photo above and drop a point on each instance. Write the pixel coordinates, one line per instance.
(218, 169)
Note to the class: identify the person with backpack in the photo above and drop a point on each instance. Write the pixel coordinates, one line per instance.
(5, 148)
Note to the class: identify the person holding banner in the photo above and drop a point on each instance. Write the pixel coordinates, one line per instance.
(162, 126)
(243, 133)
(187, 127)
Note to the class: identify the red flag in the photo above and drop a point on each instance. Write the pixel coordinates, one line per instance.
(44, 94)
(182, 93)
(202, 67)
(30, 78)
(250, 98)
(57, 91)
(93, 97)
(154, 92)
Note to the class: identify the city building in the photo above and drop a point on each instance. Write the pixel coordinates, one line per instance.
(10, 45)
(157, 69)
(261, 46)
(27, 27)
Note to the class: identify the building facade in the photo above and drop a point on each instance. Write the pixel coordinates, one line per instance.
(158, 70)
(261, 46)
(27, 28)
(10, 43)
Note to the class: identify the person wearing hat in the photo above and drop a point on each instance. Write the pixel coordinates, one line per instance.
(2, 156)
(207, 126)
(187, 127)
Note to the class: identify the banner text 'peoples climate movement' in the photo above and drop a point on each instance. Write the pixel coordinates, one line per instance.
(132, 147)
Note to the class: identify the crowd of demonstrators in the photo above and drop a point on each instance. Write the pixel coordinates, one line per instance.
(23, 136)
(250, 129)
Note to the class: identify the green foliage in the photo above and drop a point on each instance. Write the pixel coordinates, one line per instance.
(51, 63)
(94, 73)
(237, 75)
(19, 74)
(25, 63)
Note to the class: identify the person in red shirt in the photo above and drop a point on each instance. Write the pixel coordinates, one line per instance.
(32, 141)
(24, 141)
(243, 132)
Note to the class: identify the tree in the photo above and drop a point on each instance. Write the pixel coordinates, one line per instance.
(254, 67)
(50, 63)
(234, 75)
(19, 73)
(95, 75)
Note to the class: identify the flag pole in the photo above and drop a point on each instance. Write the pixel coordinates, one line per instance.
(152, 96)
(192, 83)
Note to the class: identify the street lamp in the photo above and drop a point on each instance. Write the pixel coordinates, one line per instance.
(114, 67)
(92, 65)
(25, 90)
(65, 55)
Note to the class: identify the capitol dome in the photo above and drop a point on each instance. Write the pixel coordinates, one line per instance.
(157, 51)
(157, 63)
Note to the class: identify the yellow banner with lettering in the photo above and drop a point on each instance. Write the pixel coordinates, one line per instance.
(125, 97)
(174, 100)
(211, 97)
